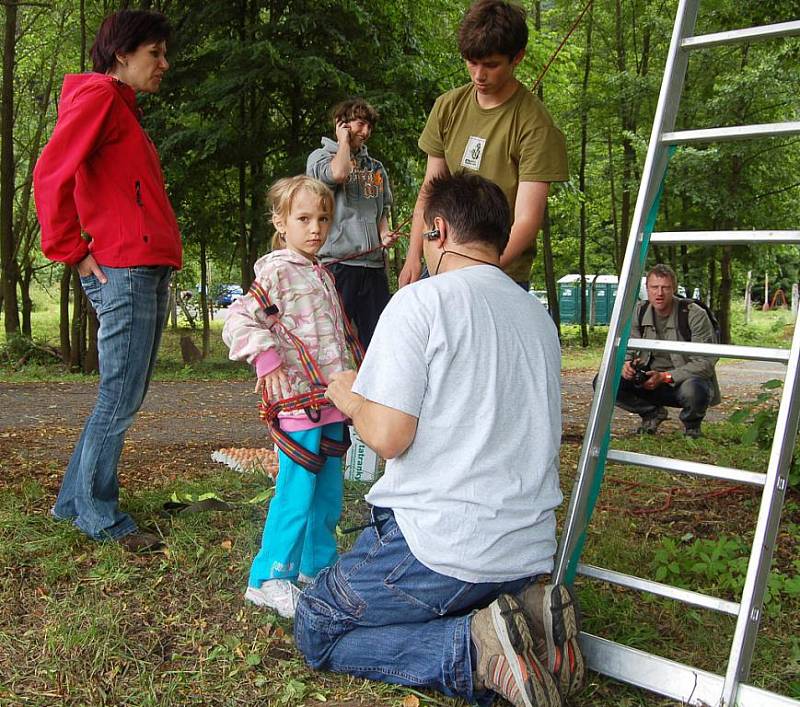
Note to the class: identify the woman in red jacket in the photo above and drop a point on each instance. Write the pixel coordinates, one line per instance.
(103, 209)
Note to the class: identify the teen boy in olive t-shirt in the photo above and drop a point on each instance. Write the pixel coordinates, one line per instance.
(508, 144)
(494, 127)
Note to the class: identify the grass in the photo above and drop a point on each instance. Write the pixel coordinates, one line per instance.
(83, 623)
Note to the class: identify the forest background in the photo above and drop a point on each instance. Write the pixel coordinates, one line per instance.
(249, 93)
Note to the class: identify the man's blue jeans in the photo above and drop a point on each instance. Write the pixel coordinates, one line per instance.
(380, 614)
(131, 309)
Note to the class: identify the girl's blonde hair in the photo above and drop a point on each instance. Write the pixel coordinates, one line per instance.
(281, 196)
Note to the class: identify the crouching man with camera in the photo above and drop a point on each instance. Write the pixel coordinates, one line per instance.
(653, 380)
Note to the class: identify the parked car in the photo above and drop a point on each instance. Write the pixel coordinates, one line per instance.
(227, 294)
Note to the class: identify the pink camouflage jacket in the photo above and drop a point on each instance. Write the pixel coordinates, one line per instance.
(309, 306)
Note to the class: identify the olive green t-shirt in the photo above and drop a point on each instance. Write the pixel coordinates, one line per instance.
(508, 144)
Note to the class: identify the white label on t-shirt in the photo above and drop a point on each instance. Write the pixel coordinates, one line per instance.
(473, 153)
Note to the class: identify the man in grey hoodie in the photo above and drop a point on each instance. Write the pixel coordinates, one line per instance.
(360, 225)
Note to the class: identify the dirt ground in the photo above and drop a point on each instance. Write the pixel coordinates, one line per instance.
(181, 423)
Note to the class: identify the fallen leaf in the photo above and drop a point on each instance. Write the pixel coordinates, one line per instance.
(410, 701)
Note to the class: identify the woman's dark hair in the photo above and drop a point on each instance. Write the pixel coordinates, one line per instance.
(123, 32)
(475, 208)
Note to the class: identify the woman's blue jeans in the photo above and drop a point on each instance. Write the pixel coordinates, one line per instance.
(131, 309)
(378, 613)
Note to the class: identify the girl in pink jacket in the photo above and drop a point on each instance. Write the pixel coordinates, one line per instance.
(292, 329)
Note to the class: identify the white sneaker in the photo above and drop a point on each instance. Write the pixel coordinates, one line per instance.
(278, 594)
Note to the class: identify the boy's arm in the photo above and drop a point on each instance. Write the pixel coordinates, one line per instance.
(386, 430)
(436, 167)
(340, 164)
(528, 214)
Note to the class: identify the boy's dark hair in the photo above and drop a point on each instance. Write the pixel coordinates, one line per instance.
(662, 270)
(354, 109)
(492, 27)
(475, 208)
(124, 31)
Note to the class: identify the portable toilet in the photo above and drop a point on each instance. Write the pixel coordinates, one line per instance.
(605, 292)
(602, 304)
(569, 299)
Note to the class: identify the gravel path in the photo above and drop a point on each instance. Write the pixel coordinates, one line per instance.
(225, 414)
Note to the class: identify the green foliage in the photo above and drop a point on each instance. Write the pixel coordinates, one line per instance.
(721, 565)
(760, 417)
(20, 350)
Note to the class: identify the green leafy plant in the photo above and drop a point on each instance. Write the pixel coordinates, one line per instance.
(718, 565)
(760, 417)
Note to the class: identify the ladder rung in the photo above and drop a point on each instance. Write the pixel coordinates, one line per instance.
(663, 590)
(725, 237)
(738, 132)
(783, 29)
(747, 353)
(681, 466)
(683, 683)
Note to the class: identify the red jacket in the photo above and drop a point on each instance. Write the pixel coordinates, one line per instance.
(100, 174)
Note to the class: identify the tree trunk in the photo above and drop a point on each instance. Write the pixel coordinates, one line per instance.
(173, 304)
(547, 240)
(76, 344)
(712, 280)
(725, 288)
(63, 317)
(27, 302)
(587, 65)
(258, 227)
(244, 250)
(619, 237)
(204, 297)
(549, 272)
(628, 118)
(7, 171)
(748, 291)
(83, 34)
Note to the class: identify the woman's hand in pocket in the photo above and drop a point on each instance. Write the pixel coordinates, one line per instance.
(88, 266)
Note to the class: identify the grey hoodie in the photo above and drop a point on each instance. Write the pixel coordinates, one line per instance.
(359, 204)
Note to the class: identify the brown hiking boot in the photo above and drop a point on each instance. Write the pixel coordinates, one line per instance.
(142, 543)
(506, 663)
(649, 424)
(552, 613)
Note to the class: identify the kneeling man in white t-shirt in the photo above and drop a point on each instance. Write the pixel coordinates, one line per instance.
(460, 392)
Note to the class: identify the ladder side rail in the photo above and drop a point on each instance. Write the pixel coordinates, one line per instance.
(766, 533)
(579, 511)
(688, 685)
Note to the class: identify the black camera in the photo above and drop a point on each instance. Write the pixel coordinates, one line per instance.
(640, 371)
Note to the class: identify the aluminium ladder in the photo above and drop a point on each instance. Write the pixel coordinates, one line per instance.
(681, 682)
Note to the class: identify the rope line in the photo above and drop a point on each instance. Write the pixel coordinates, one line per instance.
(560, 47)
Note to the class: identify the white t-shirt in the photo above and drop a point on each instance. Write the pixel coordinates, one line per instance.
(476, 360)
